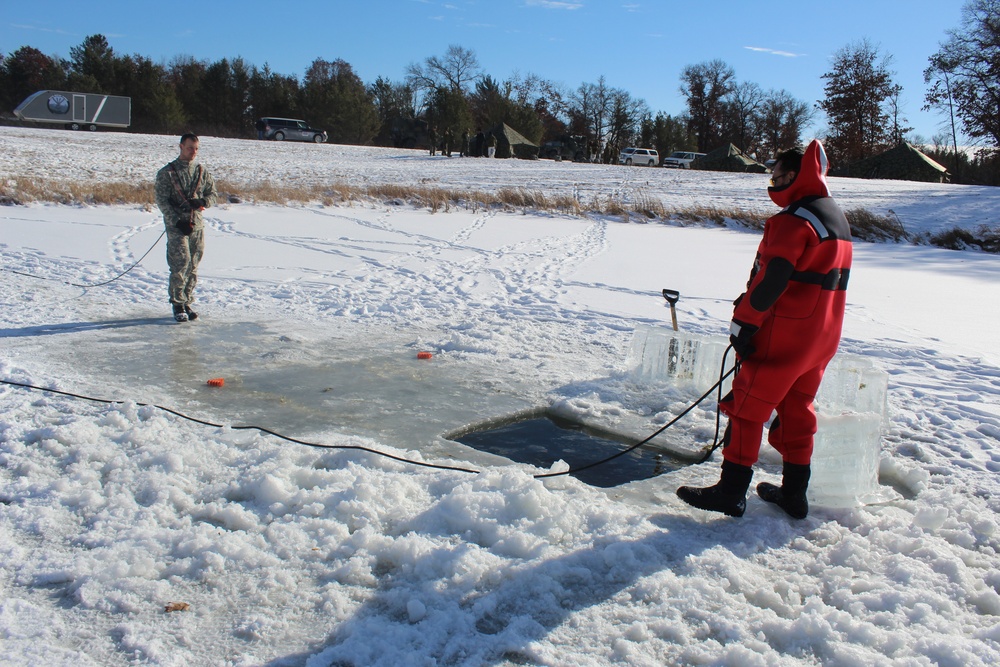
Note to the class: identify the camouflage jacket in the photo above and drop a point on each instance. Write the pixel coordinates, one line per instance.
(179, 182)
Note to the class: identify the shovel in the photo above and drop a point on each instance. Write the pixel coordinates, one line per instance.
(672, 296)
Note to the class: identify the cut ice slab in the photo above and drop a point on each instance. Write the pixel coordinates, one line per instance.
(851, 404)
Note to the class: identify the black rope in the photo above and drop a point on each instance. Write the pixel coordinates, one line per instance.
(106, 282)
(245, 428)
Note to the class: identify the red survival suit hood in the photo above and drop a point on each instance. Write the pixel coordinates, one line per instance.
(811, 180)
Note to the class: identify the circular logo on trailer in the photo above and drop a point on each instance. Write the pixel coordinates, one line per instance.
(58, 104)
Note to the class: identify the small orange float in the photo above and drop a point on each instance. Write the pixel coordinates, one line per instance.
(216, 382)
(424, 355)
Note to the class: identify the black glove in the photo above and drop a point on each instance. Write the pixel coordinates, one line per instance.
(738, 300)
(185, 226)
(741, 337)
(197, 203)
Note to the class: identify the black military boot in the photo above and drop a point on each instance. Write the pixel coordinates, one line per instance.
(190, 313)
(179, 313)
(729, 496)
(791, 495)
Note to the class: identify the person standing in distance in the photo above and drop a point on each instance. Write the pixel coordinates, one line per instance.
(184, 189)
(786, 328)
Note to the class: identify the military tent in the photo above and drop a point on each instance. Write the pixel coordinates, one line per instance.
(728, 158)
(902, 163)
(510, 143)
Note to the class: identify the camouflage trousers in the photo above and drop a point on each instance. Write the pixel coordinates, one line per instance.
(183, 255)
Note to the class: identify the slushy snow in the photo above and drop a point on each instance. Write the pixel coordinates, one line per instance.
(277, 553)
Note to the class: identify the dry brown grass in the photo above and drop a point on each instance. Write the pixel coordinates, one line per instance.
(983, 238)
(644, 207)
(865, 225)
(649, 207)
(719, 216)
(869, 226)
(21, 190)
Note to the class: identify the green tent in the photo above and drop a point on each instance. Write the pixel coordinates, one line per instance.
(728, 158)
(511, 143)
(902, 163)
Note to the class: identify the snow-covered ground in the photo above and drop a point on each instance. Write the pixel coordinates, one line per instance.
(288, 554)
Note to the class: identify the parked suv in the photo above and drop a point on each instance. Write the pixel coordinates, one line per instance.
(681, 159)
(290, 129)
(639, 156)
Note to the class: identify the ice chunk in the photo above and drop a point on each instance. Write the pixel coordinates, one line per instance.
(851, 407)
(845, 461)
(659, 354)
(852, 384)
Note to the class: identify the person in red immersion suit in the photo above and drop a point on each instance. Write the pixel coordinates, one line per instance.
(786, 327)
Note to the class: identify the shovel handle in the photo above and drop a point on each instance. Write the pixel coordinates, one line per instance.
(672, 295)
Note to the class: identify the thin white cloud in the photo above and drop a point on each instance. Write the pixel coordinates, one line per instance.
(553, 4)
(57, 31)
(632, 7)
(774, 52)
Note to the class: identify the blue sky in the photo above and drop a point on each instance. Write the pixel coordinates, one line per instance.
(638, 45)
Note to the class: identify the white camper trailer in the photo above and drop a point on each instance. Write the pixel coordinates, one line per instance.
(76, 111)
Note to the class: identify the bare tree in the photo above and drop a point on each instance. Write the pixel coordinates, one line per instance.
(782, 119)
(899, 130)
(741, 120)
(590, 108)
(456, 70)
(940, 97)
(625, 114)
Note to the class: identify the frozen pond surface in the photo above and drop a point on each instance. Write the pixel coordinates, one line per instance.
(298, 387)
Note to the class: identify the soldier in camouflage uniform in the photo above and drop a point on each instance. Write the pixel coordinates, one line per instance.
(183, 190)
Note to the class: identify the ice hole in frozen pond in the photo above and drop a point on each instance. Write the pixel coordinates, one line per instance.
(540, 439)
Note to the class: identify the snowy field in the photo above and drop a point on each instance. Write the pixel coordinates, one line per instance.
(285, 554)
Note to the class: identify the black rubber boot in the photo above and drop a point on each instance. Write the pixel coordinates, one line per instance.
(729, 496)
(791, 495)
(190, 313)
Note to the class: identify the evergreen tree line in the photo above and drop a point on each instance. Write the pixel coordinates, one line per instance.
(451, 95)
